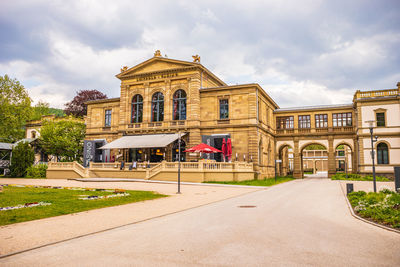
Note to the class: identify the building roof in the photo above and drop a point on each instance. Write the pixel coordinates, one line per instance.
(239, 86)
(115, 99)
(127, 73)
(28, 140)
(5, 146)
(337, 106)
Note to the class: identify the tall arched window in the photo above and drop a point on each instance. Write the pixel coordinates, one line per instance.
(179, 105)
(137, 109)
(157, 107)
(383, 153)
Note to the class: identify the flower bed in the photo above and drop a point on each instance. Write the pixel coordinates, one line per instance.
(106, 196)
(382, 207)
(67, 188)
(26, 205)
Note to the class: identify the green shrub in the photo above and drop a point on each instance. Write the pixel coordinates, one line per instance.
(22, 158)
(36, 171)
(358, 177)
(382, 207)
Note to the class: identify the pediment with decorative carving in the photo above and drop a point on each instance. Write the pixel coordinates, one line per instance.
(155, 64)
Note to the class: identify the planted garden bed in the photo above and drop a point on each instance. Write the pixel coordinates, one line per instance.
(382, 207)
(358, 177)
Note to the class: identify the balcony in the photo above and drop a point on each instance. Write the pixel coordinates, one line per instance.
(177, 123)
(305, 131)
(135, 125)
(155, 124)
(377, 93)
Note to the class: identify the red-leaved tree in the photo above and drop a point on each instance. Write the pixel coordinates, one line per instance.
(77, 107)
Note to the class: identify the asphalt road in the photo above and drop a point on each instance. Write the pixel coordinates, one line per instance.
(304, 222)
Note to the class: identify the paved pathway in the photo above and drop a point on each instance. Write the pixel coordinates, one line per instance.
(26, 235)
(304, 222)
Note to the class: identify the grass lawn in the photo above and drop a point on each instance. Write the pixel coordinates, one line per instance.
(63, 201)
(382, 207)
(357, 177)
(265, 182)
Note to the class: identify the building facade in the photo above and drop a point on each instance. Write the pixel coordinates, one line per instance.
(163, 96)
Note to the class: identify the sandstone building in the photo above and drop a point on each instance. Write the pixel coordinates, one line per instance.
(161, 97)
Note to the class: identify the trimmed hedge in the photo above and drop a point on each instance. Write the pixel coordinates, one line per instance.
(36, 171)
(358, 177)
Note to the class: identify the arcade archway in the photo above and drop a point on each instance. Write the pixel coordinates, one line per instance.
(314, 159)
(285, 164)
(343, 158)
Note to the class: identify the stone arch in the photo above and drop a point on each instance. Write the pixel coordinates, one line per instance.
(157, 89)
(304, 145)
(342, 161)
(281, 144)
(382, 141)
(313, 160)
(285, 155)
(347, 142)
(173, 91)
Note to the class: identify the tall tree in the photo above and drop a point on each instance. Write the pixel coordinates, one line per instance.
(15, 109)
(22, 158)
(63, 138)
(77, 107)
(40, 109)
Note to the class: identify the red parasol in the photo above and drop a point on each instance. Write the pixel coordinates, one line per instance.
(203, 148)
(229, 149)
(224, 150)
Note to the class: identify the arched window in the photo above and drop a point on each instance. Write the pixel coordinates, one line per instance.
(383, 153)
(157, 107)
(137, 109)
(179, 105)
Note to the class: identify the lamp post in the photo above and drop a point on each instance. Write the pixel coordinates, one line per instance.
(371, 130)
(179, 162)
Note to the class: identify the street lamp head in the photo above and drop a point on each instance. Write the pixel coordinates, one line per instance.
(371, 123)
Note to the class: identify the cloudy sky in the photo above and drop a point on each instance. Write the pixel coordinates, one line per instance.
(300, 52)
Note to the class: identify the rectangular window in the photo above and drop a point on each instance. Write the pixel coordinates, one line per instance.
(342, 119)
(304, 121)
(107, 118)
(284, 122)
(321, 120)
(380, 119)
(223, 109)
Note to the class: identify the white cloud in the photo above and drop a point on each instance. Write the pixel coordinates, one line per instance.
(311, 53)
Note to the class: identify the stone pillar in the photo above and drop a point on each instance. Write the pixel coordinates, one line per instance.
(146, 104)
(193, 100)
(298, 170)
(331, 157)
(354, 157)
(167, 101)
